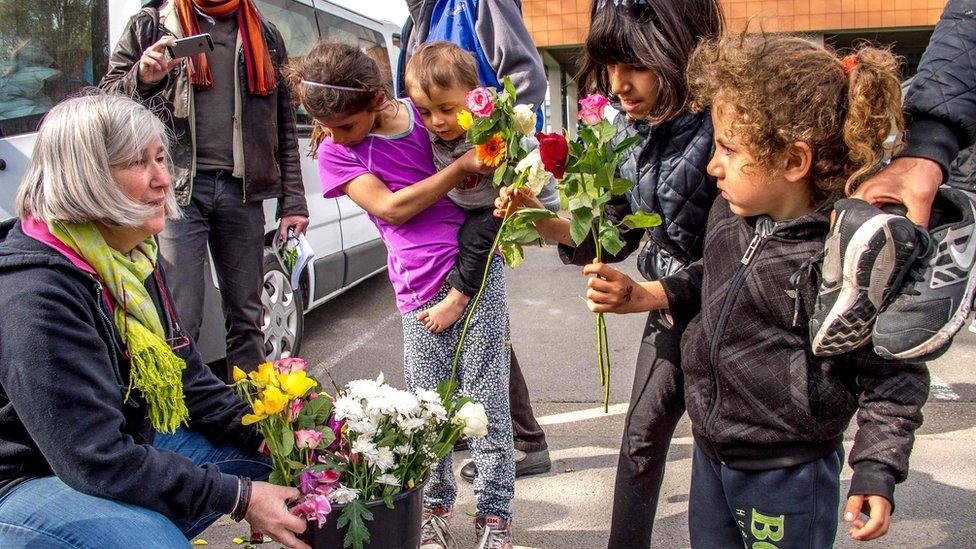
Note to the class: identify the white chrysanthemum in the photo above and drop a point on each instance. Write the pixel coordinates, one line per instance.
(364, 426)
(427, 397)
(343, 495)
(348, 408)
(365, 447)
(364, 388)
(410, 424)
(437, 412)
(403, 449)
(385, 460)
(388, 479)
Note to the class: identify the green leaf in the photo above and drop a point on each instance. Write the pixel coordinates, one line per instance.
(276, 478)
(610, 238)
(641, 220)
(620, 186)
(446, 388)
(296, 465)
(328, 436)
(442, 449)
(388, 500)
(481, 130)
(604, 132)
(498, 179)
(579, 226)
(602, 181)
(521, 234)
(512, 253)
(588, 136)
(354, 514)
(535, 214)
(287, 438)
(580, 201)
(319, 408)
(625, 144)
(509, 87)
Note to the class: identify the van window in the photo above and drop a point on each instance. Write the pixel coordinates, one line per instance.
(49, 50)
(370, 41)
(296, 23)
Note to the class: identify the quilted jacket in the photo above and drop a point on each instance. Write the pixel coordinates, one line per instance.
(757, 397)
(941, 102)
(667, 164)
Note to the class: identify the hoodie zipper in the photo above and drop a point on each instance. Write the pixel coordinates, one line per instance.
(765, 227)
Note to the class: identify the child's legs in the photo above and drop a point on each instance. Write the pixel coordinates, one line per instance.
(426, 362)
(475, 238)
(791, 508)
(484, 372)
(711, 523)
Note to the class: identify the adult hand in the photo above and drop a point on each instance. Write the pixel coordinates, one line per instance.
(611, 291)
(879, 519)
(155, 64)
(907, 180)
(298, 222)
(268, 512)
(509, 198)
(470, 163)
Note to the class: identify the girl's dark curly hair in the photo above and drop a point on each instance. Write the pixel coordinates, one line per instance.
(783, 89)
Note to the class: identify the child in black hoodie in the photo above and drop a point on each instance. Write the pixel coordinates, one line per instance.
(794, 126)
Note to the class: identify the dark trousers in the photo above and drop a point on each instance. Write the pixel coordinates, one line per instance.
(528, 434)
(217, 215)
(656, 405)
(791, 508)
(475, 238)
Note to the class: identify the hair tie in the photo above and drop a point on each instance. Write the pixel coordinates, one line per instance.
(848, 63)
(332, 86)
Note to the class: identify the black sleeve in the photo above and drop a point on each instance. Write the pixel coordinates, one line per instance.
(292, 200)
(683, 290)
(58, 374)
(122, 76)
(889, 412)
(616, 209)
(941, 102)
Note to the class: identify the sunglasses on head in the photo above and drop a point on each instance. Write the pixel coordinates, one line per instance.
(639, 11)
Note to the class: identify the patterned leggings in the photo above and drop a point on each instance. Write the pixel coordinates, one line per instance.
(482, 375)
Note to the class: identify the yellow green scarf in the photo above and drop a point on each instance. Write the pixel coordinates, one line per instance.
(154, 369)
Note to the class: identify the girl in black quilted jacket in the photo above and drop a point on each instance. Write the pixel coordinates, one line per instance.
(635, 53)
(793, 125)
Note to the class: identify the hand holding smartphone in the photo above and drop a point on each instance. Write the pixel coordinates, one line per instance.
(191, 45)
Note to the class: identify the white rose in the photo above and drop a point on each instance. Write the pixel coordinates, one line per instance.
(475, 419)
(535, 170)
(525, 119)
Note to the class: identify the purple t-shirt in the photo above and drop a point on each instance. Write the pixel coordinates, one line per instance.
(422, 250)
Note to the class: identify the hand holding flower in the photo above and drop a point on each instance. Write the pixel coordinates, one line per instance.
(612, 291)
(508, 197)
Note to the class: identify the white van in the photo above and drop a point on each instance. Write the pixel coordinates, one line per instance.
(52, 49)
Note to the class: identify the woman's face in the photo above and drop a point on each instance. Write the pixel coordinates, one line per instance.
(147, 180)
(636, 87)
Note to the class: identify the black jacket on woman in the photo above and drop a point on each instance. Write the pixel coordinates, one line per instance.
(63, 379)
(667, 165)
(757, 396)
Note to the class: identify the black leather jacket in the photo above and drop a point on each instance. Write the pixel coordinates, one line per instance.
(267, 145)
(667, 165)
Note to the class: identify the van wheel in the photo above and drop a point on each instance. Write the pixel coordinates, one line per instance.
(283, 320)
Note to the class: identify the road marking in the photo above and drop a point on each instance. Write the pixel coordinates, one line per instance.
(942, 390)
(354, 345)
(583, 415)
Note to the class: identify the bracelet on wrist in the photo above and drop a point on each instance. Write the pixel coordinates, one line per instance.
(243, 500)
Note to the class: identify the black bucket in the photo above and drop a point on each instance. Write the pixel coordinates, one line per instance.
(397, 528)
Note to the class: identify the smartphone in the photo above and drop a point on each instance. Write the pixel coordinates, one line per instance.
(191, 45)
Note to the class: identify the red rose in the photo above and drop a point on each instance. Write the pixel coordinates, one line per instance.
(553, 149)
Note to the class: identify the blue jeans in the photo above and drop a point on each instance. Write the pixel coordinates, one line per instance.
(45, 513)
(794, 507)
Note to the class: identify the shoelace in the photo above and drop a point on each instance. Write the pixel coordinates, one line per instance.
(916, 273)
(436, 524)
(488, 541)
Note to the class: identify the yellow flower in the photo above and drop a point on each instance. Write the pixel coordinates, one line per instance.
(295, 383)
(274, 400)
(410, 484)
(491, 153)
(263, 376)
(239, 374)
(464, 119)
(258, 415)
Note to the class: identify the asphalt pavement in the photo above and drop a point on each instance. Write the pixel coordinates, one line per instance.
(358, 335)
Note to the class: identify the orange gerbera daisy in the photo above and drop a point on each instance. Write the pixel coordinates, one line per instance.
(492, 152)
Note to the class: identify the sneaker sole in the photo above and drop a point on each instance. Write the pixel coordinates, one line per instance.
(845, 328)
(934, 346)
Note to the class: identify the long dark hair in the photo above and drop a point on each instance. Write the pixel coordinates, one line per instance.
(658, 35)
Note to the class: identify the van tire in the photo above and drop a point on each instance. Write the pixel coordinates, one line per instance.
(282, 320)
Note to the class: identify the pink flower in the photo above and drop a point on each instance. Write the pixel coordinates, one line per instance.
(314, 507)
(307, 438)
(294, 409)
(291, 364)
(479, 102)
(591, 109)
(318, 482)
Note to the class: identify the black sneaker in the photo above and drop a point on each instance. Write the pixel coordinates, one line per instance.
(920, 323)
(867, 255)
(526, 463)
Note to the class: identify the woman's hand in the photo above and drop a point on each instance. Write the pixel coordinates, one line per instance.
(879, 511)
(268, 512)
(154, 64)
(508, 198)
(612, 291)
(470, 163)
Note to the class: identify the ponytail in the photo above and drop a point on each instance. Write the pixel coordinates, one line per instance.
(874, 123)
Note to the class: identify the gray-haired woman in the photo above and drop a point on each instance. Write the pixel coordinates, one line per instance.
(112, 431)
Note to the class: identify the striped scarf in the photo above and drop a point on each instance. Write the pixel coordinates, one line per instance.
(261, 78)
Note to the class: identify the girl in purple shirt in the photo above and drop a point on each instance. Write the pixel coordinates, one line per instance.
(378, 153)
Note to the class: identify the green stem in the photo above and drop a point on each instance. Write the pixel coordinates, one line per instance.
(484, 278)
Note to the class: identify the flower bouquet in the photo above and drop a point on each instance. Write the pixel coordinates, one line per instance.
(367, 443)
(590, 182)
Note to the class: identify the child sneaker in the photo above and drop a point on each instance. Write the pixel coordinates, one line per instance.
(867, 255)
(436, 533)
(493, 532)
(920, 323)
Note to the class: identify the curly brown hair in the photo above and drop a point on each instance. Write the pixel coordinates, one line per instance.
(783, 89)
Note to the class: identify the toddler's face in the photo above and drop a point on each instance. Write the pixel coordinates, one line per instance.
(439, 110)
